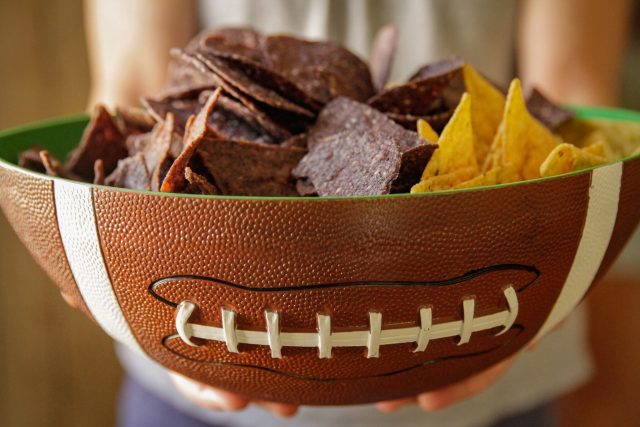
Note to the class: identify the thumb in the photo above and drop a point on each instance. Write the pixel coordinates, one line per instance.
(208, 397)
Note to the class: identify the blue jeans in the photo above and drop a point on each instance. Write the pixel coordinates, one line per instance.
(138, 407)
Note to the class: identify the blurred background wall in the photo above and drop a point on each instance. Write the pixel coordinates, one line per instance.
(56, 367)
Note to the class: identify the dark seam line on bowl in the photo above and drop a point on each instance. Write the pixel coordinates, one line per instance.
(456, 280)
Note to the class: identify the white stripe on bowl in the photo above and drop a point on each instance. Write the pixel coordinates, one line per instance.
(602, 211)
(77, 224)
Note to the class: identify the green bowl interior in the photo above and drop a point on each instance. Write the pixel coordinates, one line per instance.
(60, 135)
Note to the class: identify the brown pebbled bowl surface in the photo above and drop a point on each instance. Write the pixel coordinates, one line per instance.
(327, 300)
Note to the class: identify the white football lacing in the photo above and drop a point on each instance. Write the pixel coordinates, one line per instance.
(324, 339)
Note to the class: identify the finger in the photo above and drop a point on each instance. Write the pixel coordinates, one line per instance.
(392, 405)
(70, 301)
(280, 409)
(533, 345)
(208, 397)
(444, 397)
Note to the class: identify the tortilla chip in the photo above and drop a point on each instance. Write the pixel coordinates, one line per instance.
(101, 140)
(134, 120)
(383, 53)
(233, 120)
(487, 107)
(137, 142)
(323, 70)
(305, 188)
(575, 131)
(356, 150)
(157, 155)
(242, 49)
(455, 146)
(181, 104)
(623, 137)
(420, 97)
(437, 120)
(232, 42)
(521, 141)
(198, 184)
(566, 158)
(299, 141)
(426, 132)
(51, 164)
(548, 113)
(498, 175)
(445, 181)
(248, 169)
(280, 84)
(131, 172)
(598, 148)
(438, 68)
(413, 162)
(233, 74)
(30, 159)
(195, 133)
(98, 172)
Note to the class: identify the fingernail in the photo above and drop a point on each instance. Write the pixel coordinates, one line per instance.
(385, 408)
(427, 403)
(214, 398)
(70, 301)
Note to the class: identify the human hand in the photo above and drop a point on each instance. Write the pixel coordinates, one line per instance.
(221, 400)
(439, 399)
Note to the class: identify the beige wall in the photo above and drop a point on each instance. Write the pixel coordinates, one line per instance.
(56, 367)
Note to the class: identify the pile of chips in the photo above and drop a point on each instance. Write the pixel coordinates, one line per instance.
(274, 115)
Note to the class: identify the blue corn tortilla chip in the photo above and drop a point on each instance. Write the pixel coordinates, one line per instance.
(383, 53)
(436, 120)
(356, 150)
(551, 115)
(101, 140)
(131, 172)
(234, 74)
(248, 169)
(195, 132)
(432, 90)
(323, 70)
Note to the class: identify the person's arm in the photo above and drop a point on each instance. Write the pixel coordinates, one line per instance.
(572, 49)
(128, 42)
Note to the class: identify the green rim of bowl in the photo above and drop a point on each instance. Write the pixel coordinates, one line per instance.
(67, 131)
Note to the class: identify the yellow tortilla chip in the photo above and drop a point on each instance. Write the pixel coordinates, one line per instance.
(567, 158)
(586, 134)
(598, 148)
(456, 145)
(494, 157)
(498, 175)
(576, 131)
(623, 137)
(521, 139)
(487, 106)
(445, 181)
(425, 131)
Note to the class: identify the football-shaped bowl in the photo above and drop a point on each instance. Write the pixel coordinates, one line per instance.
(322, 300)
